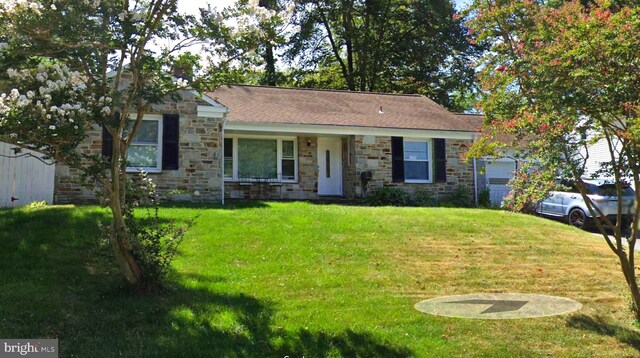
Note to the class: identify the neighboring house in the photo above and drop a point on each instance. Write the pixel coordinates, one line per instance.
(597, 155)
(494, 173)
(286, 143)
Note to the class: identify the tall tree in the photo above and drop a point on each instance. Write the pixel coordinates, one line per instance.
(269, 57)
(561, 75)
(400, 46)
(252, 40)
(384, 45)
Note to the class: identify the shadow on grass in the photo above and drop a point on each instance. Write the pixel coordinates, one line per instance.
(600, 326)
(57, 285)
(192, 322)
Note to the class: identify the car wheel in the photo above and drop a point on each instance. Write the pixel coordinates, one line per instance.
(577, 218)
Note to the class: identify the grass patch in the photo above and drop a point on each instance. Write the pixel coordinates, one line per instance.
(275, 279)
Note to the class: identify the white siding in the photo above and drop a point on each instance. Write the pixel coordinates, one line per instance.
(26, 179)
(598, 154)
(497, 175)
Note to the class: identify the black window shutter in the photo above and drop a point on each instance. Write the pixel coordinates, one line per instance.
(107, 139)
(107, 143)
(397, 159)
(440, 154)
(170, 141)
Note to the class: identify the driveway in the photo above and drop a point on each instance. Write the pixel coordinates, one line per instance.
(594, 232)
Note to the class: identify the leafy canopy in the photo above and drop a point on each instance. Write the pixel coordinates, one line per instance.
(559, 77)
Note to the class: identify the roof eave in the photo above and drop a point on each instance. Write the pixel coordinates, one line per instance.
(332, 129)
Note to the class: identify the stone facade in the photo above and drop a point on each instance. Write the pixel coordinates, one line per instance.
(66, 188)
(200, 172)
(374, 154)
(350, 177)
(359, 154)
(199, 175)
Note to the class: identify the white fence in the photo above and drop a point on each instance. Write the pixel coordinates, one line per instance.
(25, 179)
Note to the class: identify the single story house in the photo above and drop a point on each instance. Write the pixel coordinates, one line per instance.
(290, 143)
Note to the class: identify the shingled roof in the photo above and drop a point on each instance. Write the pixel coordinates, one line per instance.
(260, 104)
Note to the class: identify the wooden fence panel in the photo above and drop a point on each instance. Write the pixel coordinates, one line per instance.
(24, 179)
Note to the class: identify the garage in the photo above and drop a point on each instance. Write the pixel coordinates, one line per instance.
(497, 174)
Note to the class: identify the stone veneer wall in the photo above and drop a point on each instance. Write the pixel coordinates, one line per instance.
(374, 153)
(350, 177)
(199, 175)
(305, 188)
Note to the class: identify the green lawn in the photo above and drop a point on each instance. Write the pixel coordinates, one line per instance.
(296, 279)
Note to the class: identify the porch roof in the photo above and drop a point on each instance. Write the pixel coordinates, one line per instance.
(275, 105)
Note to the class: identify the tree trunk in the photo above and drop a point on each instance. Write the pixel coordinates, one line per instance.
(630, 277)
(348, 32)
(121, 246)
(269, 58)
(270, 68)
(119, 238)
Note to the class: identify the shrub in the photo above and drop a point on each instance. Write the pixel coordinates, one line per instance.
(154, 240)
(484, 198)
(459, 198)
(154, 246)
(423, 198)
(388, 196)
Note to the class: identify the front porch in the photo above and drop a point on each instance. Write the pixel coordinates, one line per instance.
(295, 163)
(302, 167)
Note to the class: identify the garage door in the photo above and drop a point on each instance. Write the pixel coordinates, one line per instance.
(498, 175)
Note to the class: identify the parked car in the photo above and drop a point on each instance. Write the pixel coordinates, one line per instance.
(570, 206)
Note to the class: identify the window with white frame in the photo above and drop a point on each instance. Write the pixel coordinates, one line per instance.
(228, 158)
(417, 164)
(145, 151)
(258, 158)
(288, 160)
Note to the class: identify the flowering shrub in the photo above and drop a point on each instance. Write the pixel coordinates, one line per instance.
(528, 188)
(52, 112)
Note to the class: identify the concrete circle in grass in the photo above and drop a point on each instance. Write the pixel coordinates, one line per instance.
(498, 306)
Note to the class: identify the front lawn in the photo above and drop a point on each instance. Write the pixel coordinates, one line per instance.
(296, 279)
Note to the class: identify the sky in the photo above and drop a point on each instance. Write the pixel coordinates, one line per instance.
(192, 6)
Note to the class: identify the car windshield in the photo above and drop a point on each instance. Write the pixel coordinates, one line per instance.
(608, 190)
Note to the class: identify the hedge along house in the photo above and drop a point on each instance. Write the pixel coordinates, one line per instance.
(252, 142)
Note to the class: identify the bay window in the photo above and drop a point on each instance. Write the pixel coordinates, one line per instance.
(253, 158)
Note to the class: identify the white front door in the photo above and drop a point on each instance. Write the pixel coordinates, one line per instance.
(329, 166)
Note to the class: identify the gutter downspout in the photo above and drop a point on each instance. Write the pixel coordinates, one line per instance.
(224, 120)
(475, 181)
